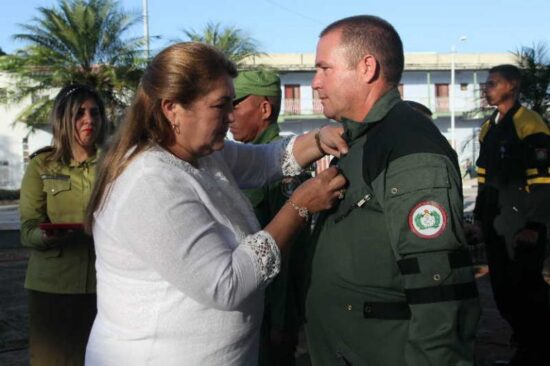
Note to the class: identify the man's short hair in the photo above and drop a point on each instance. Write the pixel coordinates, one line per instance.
(367, 34)
(509, 72)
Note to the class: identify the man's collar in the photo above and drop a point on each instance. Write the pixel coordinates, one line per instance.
(354, 129)
(509, 113)
(267, 135)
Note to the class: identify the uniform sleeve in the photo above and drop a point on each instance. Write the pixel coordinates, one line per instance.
(537, 161)
(423, 209)
(256, 165)
(32, 206)
(173, 232)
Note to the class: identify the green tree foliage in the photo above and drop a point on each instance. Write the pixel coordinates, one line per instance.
(534, 64)
(232, 41)
(80, 41)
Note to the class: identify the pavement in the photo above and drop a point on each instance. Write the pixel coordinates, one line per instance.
(492, 337)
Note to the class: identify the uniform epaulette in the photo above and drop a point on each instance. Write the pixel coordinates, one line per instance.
(41, 150)
(528, 122)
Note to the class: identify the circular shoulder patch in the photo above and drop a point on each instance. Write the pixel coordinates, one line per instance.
(428, 219)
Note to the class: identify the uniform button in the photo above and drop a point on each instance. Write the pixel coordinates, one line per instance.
(349, 307)
(394, 190)
(437, 277)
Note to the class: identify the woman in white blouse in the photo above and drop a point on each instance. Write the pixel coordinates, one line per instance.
(181, 259)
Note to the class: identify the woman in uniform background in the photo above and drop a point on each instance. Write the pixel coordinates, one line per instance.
(55, 189)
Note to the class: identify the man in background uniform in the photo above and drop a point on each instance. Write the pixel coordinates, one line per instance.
(256, 109)
(512, 212)
(391, 280)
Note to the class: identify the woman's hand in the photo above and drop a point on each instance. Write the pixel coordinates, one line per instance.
(321, 192)
(315, 144)
(316, 194)
(54, 236)
(331, 141)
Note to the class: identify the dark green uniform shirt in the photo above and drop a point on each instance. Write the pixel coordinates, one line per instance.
(57, 193)
(391, 281)
(282, 295)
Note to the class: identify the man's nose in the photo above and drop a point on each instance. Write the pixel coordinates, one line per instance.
(230, 117)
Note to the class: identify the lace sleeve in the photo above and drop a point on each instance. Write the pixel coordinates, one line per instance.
(266, 252)
(289, 164)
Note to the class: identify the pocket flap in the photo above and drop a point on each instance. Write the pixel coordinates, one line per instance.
(55, 184)
(400, 182)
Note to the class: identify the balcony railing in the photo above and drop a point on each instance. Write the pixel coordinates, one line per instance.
(308, 106)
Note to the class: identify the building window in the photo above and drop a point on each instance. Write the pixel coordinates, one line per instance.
(292, 98)
(25, 146)
(441, 97)
(463, 86)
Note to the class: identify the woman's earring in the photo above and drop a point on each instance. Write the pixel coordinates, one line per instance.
(176, 127)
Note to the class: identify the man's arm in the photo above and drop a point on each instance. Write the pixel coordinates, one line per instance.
(423, 208)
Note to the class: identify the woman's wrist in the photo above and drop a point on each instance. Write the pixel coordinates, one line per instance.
(317, 137)
(303, 212)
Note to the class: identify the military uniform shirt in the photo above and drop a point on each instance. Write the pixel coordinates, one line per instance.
(282, 294)
(391, 281)
(57, 193)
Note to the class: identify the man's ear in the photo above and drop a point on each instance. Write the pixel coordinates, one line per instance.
(168, 108)
(369, 68)
(266, 109)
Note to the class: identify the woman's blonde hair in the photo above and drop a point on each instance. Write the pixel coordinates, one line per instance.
(181, 73)
(63, 118)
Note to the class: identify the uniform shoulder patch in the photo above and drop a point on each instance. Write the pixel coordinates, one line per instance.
(427, 219)
(41, 150)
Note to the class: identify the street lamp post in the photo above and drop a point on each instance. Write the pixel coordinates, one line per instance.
(452, 92)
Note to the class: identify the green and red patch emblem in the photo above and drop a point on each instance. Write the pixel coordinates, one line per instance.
(428, 219)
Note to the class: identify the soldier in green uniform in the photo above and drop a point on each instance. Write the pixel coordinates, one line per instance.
(256, 109)
(391, 282)
(512, 212)
(56, 188)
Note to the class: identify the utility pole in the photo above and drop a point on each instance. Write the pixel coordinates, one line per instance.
(452, 93)
(146, 29)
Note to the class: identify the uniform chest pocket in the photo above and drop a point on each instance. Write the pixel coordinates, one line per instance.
(55, 184)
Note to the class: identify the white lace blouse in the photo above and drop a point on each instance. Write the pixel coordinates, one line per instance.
(181, 261)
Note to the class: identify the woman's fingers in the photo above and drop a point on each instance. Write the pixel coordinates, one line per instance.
(332, 141)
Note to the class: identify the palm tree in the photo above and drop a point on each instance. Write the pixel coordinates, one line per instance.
(534, 64)
(232, 41)
(81, 41)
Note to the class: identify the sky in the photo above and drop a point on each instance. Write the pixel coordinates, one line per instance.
(293, 26)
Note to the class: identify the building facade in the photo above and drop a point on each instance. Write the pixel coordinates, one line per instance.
(426, 79)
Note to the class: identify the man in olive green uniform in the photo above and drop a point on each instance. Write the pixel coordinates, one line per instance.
(391, 282)
(257, 104)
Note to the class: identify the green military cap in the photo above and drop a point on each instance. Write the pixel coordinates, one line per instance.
(263, 83)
